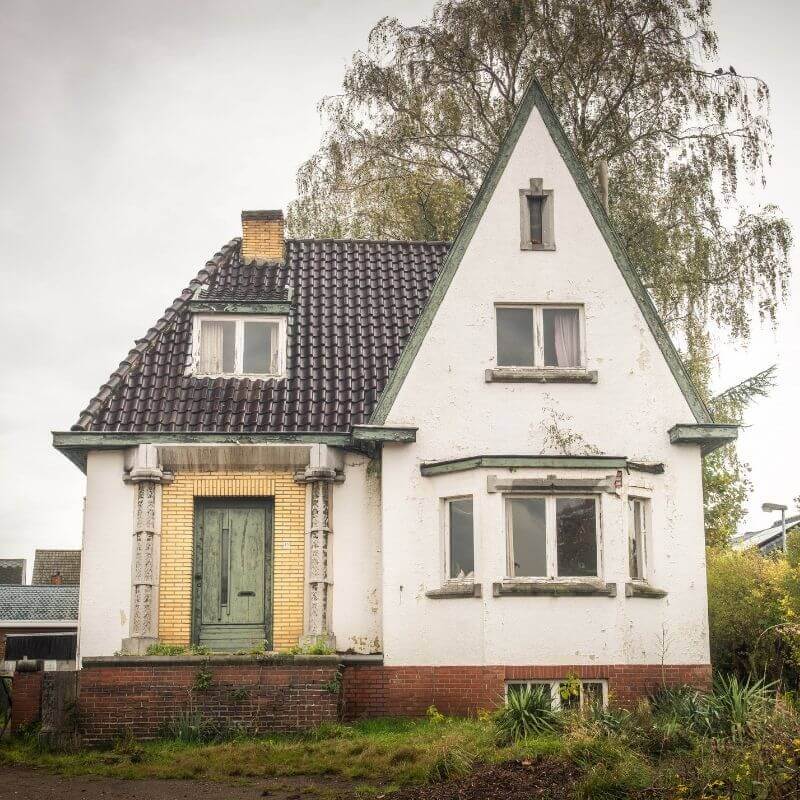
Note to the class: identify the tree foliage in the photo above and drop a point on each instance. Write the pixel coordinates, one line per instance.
(634, 82)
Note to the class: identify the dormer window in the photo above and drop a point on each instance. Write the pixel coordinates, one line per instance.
(247, 346)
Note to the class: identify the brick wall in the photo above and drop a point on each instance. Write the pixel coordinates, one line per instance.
(370, 691)
(177, 542)
(26, 696)
(139, 696)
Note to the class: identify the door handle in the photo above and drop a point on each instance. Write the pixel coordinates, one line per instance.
(247, 594)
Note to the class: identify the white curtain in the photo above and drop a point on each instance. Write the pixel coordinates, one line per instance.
(212, 335)
(567, 338)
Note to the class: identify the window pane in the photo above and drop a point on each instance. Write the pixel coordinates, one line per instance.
(634, 537)
(462, 550)
(576, 537)
(562, 347)
(536, 206)
(217, 343)
(592, 695)
(569, 694)
(528, 535)
(258, 345)
(515, 337)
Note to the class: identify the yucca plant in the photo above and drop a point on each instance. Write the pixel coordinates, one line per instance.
(528, 711)
(736, 706)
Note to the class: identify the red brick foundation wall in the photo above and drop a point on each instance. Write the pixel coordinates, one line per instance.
(370, 691)
(26, 696)
(140, 696)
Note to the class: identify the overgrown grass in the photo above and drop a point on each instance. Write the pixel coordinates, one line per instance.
(661, 749)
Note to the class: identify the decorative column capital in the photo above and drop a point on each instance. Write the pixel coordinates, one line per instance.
(319, 475)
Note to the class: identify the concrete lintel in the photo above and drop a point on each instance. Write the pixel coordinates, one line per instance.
(554, 588)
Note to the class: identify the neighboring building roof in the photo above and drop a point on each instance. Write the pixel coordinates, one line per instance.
(767, 539)
(23, 603)
(12, 571)
(48, 563)
(353, 305)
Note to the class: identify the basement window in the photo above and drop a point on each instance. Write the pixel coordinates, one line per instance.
(567, 694)
(540, 336)
(248, 346)
(552, 536)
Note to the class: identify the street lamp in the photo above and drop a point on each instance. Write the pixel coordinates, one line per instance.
(782, 509)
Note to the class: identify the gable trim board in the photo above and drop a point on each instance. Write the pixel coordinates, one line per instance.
(431, 468)
(709, 437)
(534, 97)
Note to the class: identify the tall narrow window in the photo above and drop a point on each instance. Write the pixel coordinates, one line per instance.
(460, 539)
(637, 535)
(552, 536)
(239, 346)
(535, 210)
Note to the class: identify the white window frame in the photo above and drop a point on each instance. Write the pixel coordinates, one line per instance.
(643, 549)
(538, 331)
(555, 693)
(238, 350)
(445, 527)
(551, 535)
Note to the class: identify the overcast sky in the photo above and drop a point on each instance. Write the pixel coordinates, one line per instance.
(132, 135)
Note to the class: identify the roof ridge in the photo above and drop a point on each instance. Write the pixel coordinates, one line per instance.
(127, 364)
(372, 241)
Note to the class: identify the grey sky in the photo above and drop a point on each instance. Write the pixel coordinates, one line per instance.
(131, 136)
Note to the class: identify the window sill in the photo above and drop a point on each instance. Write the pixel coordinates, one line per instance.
(540, 375)
(583, 588)
(538, 246)
(642, 589)
(451, 590)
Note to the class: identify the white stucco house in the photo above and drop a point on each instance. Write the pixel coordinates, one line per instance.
(475, 459)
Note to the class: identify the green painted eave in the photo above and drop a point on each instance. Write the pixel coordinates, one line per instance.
(534, 97)
(76, 444)
(431, 468)
(709, 437)
(240, 307)
(384, 433)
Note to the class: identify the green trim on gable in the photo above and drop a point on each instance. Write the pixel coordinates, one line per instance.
(380, 433)
(534, 97)
(240, 306)
(709, 437)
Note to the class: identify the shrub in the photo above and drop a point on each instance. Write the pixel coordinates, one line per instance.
(450, 760)
(527, 712)
(737, 708)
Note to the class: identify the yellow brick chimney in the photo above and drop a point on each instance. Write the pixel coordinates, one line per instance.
(262, 235)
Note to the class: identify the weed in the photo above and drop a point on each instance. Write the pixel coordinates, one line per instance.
(450, 760)
(203, 679)
(161, 649)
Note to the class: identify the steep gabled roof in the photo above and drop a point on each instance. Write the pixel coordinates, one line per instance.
(535, 97)
(65, 563)
(352, 306)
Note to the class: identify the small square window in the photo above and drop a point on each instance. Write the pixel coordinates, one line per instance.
(552, 537)
(239, 346)
(539, 336)
(637, 537)
(460, 538)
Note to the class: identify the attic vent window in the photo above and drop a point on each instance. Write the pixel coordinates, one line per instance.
(239, 346)
(536, 217)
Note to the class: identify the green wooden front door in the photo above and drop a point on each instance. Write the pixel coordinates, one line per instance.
(233, 574)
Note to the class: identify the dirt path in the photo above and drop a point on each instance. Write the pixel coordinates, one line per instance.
(28, 784)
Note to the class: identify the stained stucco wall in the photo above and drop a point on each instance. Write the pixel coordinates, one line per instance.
(356, 557)
(105, 596)
(627, 413)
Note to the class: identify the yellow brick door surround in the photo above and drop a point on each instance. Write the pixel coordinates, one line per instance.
(177, 548)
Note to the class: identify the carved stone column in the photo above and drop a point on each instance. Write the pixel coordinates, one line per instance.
(147, 476)
(318, 547)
